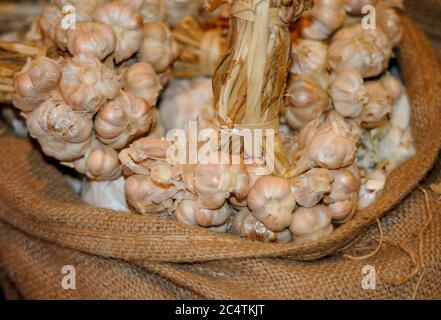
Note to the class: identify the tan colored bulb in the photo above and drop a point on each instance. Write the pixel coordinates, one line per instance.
(126, 23)
(211, 218)
(84, 9)
(310, 188)
(309, 58)
(184, 212)
(247, 226)
(325, 18)
(145, 196)
(151, 10)
(349, 93)
(311, 224)
(50, 23)
(103, 164)
(272, 202)
(141, 80)
(355, 7)
(120, 121)
(362, 53)
(379, 106)
(91, 38)
(158, 47)
(389, 20)
(62, 133)
(305, 100)
(86, 83)
(34, 82)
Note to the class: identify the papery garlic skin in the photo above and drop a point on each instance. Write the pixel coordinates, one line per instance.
(272, 202)
(389, 20)
(158, 46)
(145, 196)
(247, 226)
(126, 23)
(151, 10)
(309, 58)
(310, 188)
(187, 100)
(374, 183)
(50, 23)
(86, 83)
(120, 121)
(326, 17)
(311, 224)
(305, 100)
(349, 93)
(91, 38)
(140, 79)
(379, 106)
(212, 218)
(62, 133)
(34, 82)
(103, 164)
(84, 9)
(105, 194)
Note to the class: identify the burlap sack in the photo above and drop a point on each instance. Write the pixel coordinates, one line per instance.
(44, 226)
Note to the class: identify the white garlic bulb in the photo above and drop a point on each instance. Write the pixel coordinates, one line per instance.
(247, 226)
(272, 202)
(151, 10)
(126, 23)
(310, 188)
(349, 93)
(325, 18)
(158, 46)
(311, 224)
(34, 82)
(379, 104)
(105, 194)
(309, 57)
(84, 9)
(120, 121)
(103, 164)
(187, 100)
(141, 80)
(212, 218)
(91, 38)
(389, 20)
(86, 83)
(62, 133)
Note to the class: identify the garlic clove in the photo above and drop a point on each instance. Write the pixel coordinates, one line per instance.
(311, 223)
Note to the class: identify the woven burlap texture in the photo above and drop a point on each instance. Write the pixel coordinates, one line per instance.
(44, 226)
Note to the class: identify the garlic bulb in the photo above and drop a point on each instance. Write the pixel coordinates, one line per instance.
(349, 93)
(50, 23)
(310, 188)
(62, 133)
(105, 194)
(145, 196)
(212, 218)
(126, 23)
(361, 53)
(305, 101)
(84, 9)
(141, 80)
(325, 18)
(379, 105)
(186, 100)
(158, 47)
(120, 121)
(389, 20)
(247, 226)
(91, 38)
(311, 224)
(103, 164)
(355, 7)
(309, 58)
(34, 82)
(86, 83)
(272, 203)
(343, 198)
(151, 10)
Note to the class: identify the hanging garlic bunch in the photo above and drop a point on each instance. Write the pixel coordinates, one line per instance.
(50, 23)
(151, 10)
(141, 81)
(311, 224)
(324, 19)
(91, 38)
(247, 226)
(86, 83)
(343, 198)
(127, 25)
(305, 100)
(272, 202)
(192, 213)
(61, 132)
(158, 46)
(34, 83)
(310, 187)
(187, 100)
